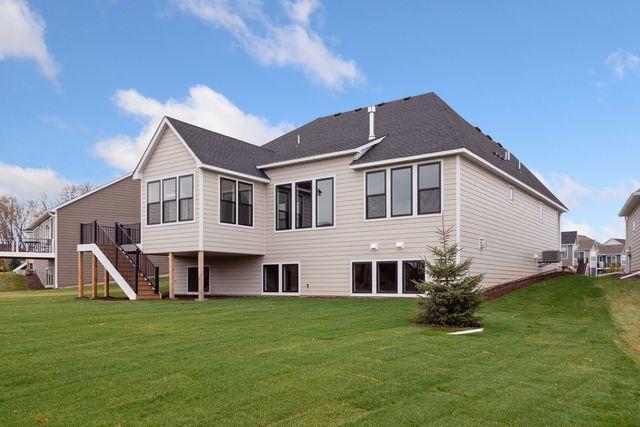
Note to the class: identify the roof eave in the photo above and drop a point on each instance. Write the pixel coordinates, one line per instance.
(629, 205)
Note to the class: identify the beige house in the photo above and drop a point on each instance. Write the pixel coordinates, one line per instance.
(631, 213)
(344, 205)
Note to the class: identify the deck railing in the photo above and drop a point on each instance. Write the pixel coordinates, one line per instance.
(26, 245)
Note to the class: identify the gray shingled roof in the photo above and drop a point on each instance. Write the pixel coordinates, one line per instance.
(569, 237)
(585, 243)
(610, 249)
(222, 151)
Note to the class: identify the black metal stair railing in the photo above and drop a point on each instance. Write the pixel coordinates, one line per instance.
(149, 270)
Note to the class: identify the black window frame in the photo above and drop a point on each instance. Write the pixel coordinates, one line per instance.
(439, 188)
(180, 198)
(367, 195)
(333, 196)
(410, 190)
(283, 276)
(239, 204)
(289, 205)
(404, 275)
(234, 218)
(174, 200)
(353, 277)
(297, 214)
(264, 276)
(378, 264)
(159, 202)
(207, 279)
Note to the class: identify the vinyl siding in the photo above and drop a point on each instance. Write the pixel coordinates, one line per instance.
(231, 275)
(169, 159)
(228, 238)
(512, 230)
(633, 240)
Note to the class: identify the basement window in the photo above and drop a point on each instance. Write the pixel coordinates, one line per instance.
(412, 271)
(361, 277)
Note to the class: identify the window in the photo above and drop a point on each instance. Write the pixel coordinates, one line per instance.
(324, 202)
(169, 204)
(290, 278)
(512, 194)
(153, 203)
(387, 272)
(376, 194)
(245, 204)
(192, 279)
(304, 209)
(361, 277)
(227, 201)
(565, 252)
(185, 202)
(270, 278)
(283, 207)
(412, 271)
(401, 197)
(429, 188)
(541, 213)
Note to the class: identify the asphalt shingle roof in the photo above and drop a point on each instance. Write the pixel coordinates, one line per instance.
(610, 249)
(569, 237)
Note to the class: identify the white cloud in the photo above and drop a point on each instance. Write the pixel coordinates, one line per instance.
(622, 62)
(61, 124)
(613, 229)
(203, 107)
(29, 183)
(622, 191)
(22, 36)
(570, 192)
(293, 44)
(581, 227)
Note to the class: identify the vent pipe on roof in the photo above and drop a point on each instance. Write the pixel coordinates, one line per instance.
(372, 114)
(519, 165)
(507, 156)
(298, 139)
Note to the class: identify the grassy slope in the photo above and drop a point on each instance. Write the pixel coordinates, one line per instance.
(548, 356)
(12, 282)
(624, 300)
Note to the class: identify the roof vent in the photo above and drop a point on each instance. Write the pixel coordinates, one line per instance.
(507, 155)
(336, 114)
(478, 129)
(357, 109)
(381, 104)
(298, 139)
(519, 165)
(372, 117)
(489, 136)
(407, 98)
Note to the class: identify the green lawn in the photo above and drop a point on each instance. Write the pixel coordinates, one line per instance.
(550, 354)
(12, 282)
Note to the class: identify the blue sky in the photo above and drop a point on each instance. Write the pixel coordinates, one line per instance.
(83, 83)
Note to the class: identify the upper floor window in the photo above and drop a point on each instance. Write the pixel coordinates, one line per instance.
(236, 202)
(153, 202)
(401, 194)
(304, 200)
(541, 212)
(185, 202)
(512, 194)
(429, 188)
(169, 203)
(324, 202)
(283, 207)
(565, 252)
(376, 194)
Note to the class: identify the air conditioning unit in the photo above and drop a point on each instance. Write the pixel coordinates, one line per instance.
(549, 257)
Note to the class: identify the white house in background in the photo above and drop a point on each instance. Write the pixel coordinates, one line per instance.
(587, 255)
(569, 250)
(612, 255)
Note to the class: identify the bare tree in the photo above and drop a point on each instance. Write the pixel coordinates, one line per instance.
(70, 192)
(15, 216)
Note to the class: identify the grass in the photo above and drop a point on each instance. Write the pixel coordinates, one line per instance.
(12, 282)
(549, 355)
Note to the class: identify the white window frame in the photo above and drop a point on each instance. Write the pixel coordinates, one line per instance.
(565, 252)
(374, 278)
(162, 178)
(210, 279)
(414, 191)
(237, 209)
(294, 205)
(280, 278)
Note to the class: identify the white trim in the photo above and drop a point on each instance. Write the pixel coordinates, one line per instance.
(28, 255)
(467, 153)
(458, 207)
(233, 173)
(627, 205)
(106, 264)
(313, 204)
(280, 291)
(358, 151)
(95, 190)
(55, 250)
(200, 210)
(374, 278)
(143, 203)
(237, 202)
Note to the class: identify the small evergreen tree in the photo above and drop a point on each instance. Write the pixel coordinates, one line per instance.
(450, 295)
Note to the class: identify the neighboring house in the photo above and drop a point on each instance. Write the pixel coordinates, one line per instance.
(344, 205)
(569, 240)
(587, 255)
(50, 242)
(612, 256)
(631, 213)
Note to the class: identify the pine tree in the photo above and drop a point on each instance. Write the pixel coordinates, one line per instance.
(450, 295)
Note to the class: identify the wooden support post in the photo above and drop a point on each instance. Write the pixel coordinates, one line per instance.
(80, 276)
(201, 275)
(94, 277)
(106, 283)
(172, 278)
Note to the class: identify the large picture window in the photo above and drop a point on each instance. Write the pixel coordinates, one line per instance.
(283, 207)
(185, 202)
(227, 201)
(324, 202)
(376, 194)
(387, 277)
(429, 188)
(361, 278)
(304, 209)
(153, 203)
(270, 278)
(412, 271)
(401, 193)
(245, 204)
(169, 203)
